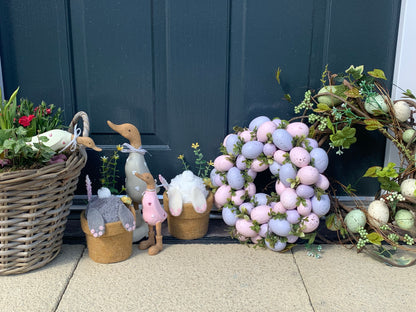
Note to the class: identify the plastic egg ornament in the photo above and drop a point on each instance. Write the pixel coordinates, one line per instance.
(277, 121)
(308, 175)
(322, 183)
(261, 198)
(215, 178)
(320, 159)
(223, 163)
(378, 213)
(375, 103)
(310, 223)
(240, 162)
(265, 129)
(278, 208)
(251, 173)
(287, 173)
(293, 216)
(259, 166)
(305, 191)
(229, 216)
(238, 197)
(408, 135)
(309, 142)
(279, 187)
(298, 129)
(279, 156)
(354, 220)
(250, 189)
(256, 122)
(252, 149)
(222, 195)
(231, 141)
(288, 198)
(304, 209)
(401, 110)
(278, 246)
(321, 206)
(274, 168)
(404, 219)
(256, 239)
(243, 227)
(264, 229)
(261, 214)
(246, 136)
(246, 207)
(282, 139)
(235, 178)
(291, 239)
(329, 99)
(280, 227)
(408, 188)
(269, 149)
(299, 156)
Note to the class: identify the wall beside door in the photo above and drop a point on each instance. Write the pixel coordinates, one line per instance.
(188, 71)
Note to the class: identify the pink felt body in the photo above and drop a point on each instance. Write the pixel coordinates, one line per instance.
(152, 210)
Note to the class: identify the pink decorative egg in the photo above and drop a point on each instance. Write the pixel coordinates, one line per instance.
(287, 173)
(222, 195)
(293, 216)
(322, 182)
(298, 129)
(246, 207)
(235, 178)
(310, 223)
(280, 227)
(250, 189)
(299, 156)
(282, 139)
(321, 206)
(246, 136)
(305, 209)
(279, 187)
(278, 208)
(266, 128)
(288, 198)
(308, 175)
(256, 239)
(256, 122)
(261, 214)
(238, 197)
(223, 163)
(274, 168)
(258, 165)
(305, 191)
(252, 149)
(243, 227)
(240, 162)
(279, 156)
(292, 239)
(269, 149)
(320, 159)
(229, 216)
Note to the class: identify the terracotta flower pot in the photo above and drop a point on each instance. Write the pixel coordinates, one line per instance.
(114, 246)
(189, 224)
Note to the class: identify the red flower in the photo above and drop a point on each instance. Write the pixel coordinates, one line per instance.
(48, 111)
(25, 120)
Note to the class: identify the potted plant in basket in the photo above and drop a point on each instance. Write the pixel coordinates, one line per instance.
(187, 199)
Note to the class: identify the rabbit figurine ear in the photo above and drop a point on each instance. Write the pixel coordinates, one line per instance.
(175, 202)
(198, 200)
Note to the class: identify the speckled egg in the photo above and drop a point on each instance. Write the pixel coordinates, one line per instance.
(246, 135)
(354, 220)
(305, 191)
(299, 156)
(297, 129)
(264, 229)
(320, 159)
(279, 246)
(274, 168)
(252, 149)
(404, 219)
(223, 163)
(246, 207)
(310, 223)
(261, 199)
(282, 139)
(251, 173)
(261, 214)
(243, 227)
(291, 239)
(304, 209)
(215, 177)
(230, 142)
(229, 216)
(222, 195)
(286, 173)
(408, 135)
(238, 197)
(256, 122)
(240, 162)
(279, 156)
(288, 198)
(375, 103)
(378, 213)
(408, 188)
(269, 149)
(266, 128)
(258, 165)
(277, 121)
(250, 189)
(401, 110)
(293, 216)
(308, 175)
(235, 178)
(310, 143)
(322, 183)
(280, 227)
(321, 206)
(278, 208)
(279, 187)
(256, 239)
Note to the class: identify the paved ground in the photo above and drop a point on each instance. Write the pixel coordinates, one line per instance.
(212, 277)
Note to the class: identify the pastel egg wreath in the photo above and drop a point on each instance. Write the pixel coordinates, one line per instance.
(296, 163)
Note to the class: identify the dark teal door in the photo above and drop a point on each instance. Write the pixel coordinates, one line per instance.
(187, 71)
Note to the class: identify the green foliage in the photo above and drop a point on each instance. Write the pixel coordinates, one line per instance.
(385, 176)
(344, 137)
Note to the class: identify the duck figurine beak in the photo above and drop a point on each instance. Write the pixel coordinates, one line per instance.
(128, 131)
(88, 142)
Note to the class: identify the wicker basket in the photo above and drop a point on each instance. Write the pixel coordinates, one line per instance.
(189, 224)
(34, 205)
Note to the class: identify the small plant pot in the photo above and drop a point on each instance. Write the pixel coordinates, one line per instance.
(189, 224)
(114, 246)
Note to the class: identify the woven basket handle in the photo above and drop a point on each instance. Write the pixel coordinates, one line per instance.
(86, 123)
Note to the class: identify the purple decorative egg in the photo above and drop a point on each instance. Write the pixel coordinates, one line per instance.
(260, 199)
(280, 227)
(298, 129)
(266, 128)
(235, 178)
(252, 149)
(311, 143)
(288, 198)
(305, 209)
(279, 156)
(292, 239)
(322, 206)
(243, 227)
(310, 223)
(229, 216)
(282, 139)
(293, 216)
(251, 173)
(246, 208)
(305, 191)
(287, 172)
(215, 178)
(223, 163)
(277, 121)
(322, 182)
(230, 142)
(240, 162)
(274, 168)
(264, 229)
(256, 122)
(299, 157)
(250, 189)
(307, 175)
(320, 159)
(258, 165)
(279, 246)
(278, 208)
(269, 149)
(261, 214)
(238, 197)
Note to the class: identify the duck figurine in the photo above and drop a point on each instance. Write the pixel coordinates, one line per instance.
(153, 215)
(135, 163)
(60, 140)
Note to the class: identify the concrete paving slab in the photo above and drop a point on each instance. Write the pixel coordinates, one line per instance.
(41, 289)
(343, 280)
(194, 277)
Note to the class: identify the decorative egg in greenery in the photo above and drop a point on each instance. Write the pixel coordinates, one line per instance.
(408, 188)
(375, 103)
(329, 99)
(354, 220)
(401, 110)
(378, 213)
(408, 134)
(404, 219)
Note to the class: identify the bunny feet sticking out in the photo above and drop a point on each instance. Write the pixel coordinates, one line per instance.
(96, 222)
(126, 218)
